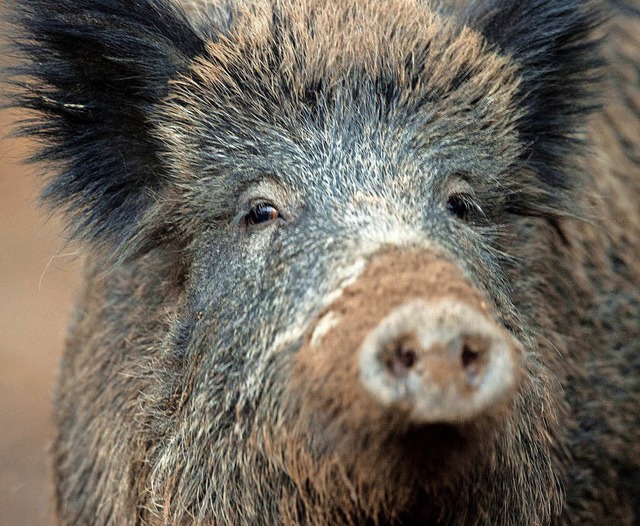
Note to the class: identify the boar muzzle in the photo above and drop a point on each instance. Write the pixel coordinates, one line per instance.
(410, 340)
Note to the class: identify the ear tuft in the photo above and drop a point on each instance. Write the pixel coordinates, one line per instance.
(553, 42)
(93, 72)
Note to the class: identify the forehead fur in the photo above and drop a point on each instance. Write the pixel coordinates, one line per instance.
(281, 58)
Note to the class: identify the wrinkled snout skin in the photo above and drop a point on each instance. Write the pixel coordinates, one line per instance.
(348, 262)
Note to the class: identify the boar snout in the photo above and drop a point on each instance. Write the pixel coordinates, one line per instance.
(440, 362)
(411, 342)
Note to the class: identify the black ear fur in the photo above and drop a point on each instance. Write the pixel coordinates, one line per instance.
(93, 70)
(553, 42)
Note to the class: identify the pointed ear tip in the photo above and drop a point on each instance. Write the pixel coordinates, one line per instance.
(84, 134)
(535, 16)
(542, 32)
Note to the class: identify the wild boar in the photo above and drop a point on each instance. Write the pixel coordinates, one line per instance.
(348, 262)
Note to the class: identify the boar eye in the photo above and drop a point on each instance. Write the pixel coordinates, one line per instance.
(460, 205)
(262, 213)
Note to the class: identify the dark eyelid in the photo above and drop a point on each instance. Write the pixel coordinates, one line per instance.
(267, 201)
(253, 218)
(263, 191)
(459, 205)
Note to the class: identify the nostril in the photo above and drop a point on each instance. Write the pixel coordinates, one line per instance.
(473, 359)
(400, 356)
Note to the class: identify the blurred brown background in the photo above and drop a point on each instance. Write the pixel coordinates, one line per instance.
(38, 281)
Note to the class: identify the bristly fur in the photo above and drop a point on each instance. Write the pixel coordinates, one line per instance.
(94, 71)
(181, 399)
(554, 44)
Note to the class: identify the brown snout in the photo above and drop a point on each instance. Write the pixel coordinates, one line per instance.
(411, 338)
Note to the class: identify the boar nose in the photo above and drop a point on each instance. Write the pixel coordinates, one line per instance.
(440, 362)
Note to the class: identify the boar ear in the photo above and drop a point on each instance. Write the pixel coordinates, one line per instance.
(93, 72)
(552, 42)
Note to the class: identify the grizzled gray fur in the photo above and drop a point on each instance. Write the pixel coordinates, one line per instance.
(348, 262)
